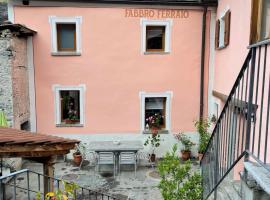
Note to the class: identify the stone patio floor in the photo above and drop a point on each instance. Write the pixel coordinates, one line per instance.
(124, 186)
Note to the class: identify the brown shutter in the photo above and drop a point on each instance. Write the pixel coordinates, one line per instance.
(255, 27)
(217, 34)
(227, 20)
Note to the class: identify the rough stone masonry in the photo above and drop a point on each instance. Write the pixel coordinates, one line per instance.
(14, 92)
(14, 87)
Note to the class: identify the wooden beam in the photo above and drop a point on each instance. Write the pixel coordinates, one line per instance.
(35, 150)
(48, 171)
(32, 154)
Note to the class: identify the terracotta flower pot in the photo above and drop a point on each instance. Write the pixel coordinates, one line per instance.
(200, 155)
(154, 131)
(71, 121)
(185, 155)
(77, 159)
(152, 157)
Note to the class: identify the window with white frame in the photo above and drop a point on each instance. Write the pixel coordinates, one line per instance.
(66, 35)
(156, 36)
(222, 37)
(155, 110)
(221, 32)
(69, 105)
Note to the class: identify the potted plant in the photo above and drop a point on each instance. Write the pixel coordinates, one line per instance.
(71, 114)
(72, 117)
(77, 155)
(178, 181)
(68, 192)
(202, 127)
(187, 144)
(153, 122)
(154, 141)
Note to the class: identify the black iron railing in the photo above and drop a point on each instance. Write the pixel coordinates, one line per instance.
(26, 184)
(242, 128)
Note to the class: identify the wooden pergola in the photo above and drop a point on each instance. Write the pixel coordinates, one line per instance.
(34, 146)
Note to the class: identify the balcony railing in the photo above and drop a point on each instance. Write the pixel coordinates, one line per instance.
(26, 184)
(242, 128)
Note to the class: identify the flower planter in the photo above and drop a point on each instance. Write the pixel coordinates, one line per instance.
(71, 121)
(152, 157)
(200, 155)
(186, 155)
(154, 130)
(77, 158)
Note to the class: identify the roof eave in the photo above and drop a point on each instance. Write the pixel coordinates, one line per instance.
(147, 2)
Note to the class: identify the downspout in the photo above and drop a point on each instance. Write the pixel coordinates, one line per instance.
(202, 62)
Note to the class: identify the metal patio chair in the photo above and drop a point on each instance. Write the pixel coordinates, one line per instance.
(106, 158)
(128, 158)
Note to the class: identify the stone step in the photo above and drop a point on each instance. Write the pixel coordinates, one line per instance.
(228, 190)
(259, 174)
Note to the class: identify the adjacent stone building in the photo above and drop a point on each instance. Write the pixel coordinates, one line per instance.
(14, 81)
(15, 67)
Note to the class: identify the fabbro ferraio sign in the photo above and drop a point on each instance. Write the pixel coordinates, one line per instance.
(167, 13)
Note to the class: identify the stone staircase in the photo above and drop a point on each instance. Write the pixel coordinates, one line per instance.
(229, 189)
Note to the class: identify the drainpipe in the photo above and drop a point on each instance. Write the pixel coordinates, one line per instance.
(202, 62)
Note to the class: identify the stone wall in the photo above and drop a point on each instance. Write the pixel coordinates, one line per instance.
(3, 11)
(21, 111)
(14, 98)
(6, 94)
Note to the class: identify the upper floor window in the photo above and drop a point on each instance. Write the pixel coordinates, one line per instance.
(65, 35)
(222, 38)
(260, 20)
(156, 36)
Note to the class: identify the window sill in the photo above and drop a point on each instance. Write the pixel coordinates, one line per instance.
(156, 52)
(160, 132)
(66, 53)
(259, 43)
(221, 47)
(69, 125)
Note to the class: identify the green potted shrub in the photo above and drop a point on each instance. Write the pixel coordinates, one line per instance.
(71, 116)
(202, 127)
(178, 181)
(153, 122)
(154, 141)
(187, 144)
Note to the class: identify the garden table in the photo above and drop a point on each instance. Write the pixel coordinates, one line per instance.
(116, 147)
(113, 146)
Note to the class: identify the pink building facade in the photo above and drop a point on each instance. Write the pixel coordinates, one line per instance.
(98, 58)
(113, 76)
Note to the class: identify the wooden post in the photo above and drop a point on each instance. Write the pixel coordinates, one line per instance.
(48, 171)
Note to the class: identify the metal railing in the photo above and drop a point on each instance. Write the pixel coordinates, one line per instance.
(26, 184)
(242, 128)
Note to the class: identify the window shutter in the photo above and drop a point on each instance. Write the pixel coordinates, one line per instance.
(217, 34)
(227, 28)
